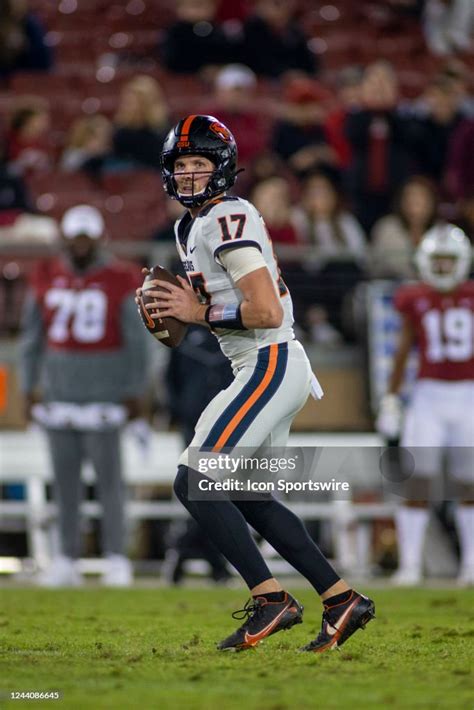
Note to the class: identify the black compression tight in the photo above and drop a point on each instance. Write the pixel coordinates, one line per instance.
(226, 527)
(287, 534)
(225, 522)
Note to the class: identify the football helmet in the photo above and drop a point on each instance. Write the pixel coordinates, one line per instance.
(444, 240)
(206, 136)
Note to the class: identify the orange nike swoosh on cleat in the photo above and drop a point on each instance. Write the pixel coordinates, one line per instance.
(341, 622)
(253, 639)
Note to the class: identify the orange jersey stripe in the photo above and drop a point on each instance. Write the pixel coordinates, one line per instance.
(237, 418)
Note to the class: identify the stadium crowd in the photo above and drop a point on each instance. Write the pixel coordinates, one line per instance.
(347, 162)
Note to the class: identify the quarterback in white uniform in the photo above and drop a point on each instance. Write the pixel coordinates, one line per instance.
(234, 287)
(227, 243)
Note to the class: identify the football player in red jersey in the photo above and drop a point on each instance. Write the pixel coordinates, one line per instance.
(438, 316)
(82, 346)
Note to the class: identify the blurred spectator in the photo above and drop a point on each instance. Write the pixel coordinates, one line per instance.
(448, 25)
(396, 236)
(83, 345)
(439, 114)
(348, 96)
(274, 43)
(263, 166)
(235, 103)
(299, 137)
(88, 144)
(272, 198)
(18, 221)
(14, 197)
(323, 221)
(196, 40)
(140, 123)
(22, 43)
(459, 175)
(458, 74)
(327, 280)
(380, 139)
(28, 146)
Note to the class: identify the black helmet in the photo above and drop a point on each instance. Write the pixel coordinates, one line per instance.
(200, 135)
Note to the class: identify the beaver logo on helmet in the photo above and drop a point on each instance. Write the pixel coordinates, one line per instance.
(222, 131)
(206, 136)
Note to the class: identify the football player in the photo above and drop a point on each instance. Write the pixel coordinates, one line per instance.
(437, 316)
(234, 287)
(80, 342)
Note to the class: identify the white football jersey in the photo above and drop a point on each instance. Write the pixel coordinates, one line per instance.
(230, 223)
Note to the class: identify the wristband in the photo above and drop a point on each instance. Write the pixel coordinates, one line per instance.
(224, 316)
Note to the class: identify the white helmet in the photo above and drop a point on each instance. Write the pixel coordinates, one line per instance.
(444, 240)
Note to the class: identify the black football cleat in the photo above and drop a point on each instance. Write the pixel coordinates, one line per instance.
(264, 618)
(341, 621)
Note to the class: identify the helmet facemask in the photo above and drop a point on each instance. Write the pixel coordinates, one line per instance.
(210, 139)
(444, 270)
(216, 183)
(195, 194)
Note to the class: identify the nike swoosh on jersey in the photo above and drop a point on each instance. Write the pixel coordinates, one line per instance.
(253, 638)
(191, 250)
(334, 628)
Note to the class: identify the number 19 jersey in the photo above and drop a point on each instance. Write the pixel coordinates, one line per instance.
(444, 329)
(230, 223)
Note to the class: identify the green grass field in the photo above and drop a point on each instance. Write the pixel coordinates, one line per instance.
(154, 648)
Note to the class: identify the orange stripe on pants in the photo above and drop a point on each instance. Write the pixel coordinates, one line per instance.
(237, 418)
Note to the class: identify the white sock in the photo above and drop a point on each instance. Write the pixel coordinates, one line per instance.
(465, 526)
(411, 527)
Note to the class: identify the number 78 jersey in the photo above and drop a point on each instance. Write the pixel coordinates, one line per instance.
(230, 223)
(83, 311)
(444, 329)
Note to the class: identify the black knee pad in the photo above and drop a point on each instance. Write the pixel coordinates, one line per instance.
(180, 485)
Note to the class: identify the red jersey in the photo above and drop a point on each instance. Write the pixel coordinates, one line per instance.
(82, 311)
(444, 329)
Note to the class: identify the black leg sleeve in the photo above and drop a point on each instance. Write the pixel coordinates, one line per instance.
(287, 534)
(226, 527)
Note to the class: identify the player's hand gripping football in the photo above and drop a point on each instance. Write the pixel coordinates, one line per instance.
(179, 302)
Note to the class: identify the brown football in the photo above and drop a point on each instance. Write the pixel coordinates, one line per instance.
(169, 331)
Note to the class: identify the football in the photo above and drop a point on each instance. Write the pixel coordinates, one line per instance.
(169, 331)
